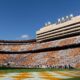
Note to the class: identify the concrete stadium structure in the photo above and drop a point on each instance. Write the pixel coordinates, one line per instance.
(56, 45)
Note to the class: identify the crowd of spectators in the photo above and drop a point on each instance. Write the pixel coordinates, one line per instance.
(67, 58)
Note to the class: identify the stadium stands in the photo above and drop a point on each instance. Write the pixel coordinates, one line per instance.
(50, 58)
(63, 52)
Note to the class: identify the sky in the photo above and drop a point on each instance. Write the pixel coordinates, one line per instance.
(20, 19)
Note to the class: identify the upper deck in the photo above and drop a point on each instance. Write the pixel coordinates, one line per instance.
(64, 27)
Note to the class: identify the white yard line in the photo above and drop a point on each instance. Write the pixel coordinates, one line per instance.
(11, 74)
(72, 74)
(8, 76)
(35, 76)
(56, 75)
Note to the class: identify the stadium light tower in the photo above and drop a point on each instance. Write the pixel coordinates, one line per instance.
(71, 15)
(63, 19)
(49, 23)
(46, 24)
(59, 20)
(67, 17)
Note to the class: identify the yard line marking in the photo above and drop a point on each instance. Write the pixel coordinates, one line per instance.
(4, 78)
(63, 74)
(22, 76)
(58, 75)
(35, 76)
(73, 74)
(48, 76)
(11, 74)
(7, 76)
(76, 72)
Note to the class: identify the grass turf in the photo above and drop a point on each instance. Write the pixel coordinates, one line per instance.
(34, 69)
(10, 70)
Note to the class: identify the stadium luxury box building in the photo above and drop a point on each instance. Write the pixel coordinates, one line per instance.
(56, 45)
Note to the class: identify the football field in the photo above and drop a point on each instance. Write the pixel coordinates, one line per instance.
(39, 75)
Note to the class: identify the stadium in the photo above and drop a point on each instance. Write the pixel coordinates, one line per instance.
(53, 55)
